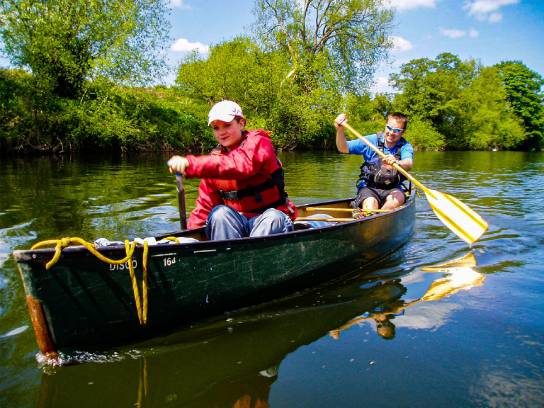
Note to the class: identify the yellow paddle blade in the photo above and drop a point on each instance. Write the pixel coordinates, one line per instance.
(458, 217)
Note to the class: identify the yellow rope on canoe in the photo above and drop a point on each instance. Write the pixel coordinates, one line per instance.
(141, 308)
(62, 243)
(141, 305)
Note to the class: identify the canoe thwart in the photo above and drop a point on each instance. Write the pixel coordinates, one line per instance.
(324, 219)
(312, 209)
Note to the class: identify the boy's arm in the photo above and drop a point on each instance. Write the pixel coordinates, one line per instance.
(341, 142)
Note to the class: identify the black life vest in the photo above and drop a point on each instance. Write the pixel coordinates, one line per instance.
(269, 193)
(376, 174)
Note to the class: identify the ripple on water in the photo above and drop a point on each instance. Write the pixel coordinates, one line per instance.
(500, 386)
(15, 236)
(14, 332)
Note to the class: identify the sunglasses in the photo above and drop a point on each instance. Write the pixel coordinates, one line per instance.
(394, 130)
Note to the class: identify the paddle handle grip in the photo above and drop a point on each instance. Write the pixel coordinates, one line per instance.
(181, 202)
(382, 155)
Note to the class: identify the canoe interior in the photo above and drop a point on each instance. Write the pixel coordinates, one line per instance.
(88, 304)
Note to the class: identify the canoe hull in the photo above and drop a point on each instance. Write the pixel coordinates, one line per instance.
(88, 304)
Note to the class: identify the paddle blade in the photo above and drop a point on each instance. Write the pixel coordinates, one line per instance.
(458, 217)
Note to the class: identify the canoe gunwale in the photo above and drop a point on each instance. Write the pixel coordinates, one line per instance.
(29, 254)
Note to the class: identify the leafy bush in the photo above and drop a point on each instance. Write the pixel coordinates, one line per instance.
(106, 116)
(423, 136)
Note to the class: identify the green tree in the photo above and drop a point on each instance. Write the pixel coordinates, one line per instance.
(365, 113)
(241, 71)
(423, 136)
(428, 85)
(483, 117)
(343, 39)
(65, 42)
(524, 92)
(236, 70)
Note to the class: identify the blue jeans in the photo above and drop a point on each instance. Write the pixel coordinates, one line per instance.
(226, 223)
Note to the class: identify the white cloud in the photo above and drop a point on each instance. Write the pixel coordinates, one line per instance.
(180, 4)
(487, 6)
(411, 4)
(455, 33)
(184, 45)
(426, 316)
(495, 17)
(472, 33)
(380, 85)
(400, 44)
(487, 10)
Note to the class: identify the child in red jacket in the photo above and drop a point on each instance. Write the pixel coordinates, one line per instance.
(241, 191)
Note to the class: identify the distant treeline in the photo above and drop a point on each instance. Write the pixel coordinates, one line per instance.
(84, 66)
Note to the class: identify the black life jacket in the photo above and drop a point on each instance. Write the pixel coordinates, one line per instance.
(376, 174)
(269, 193)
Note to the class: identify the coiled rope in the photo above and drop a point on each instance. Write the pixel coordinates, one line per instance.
(141, 303)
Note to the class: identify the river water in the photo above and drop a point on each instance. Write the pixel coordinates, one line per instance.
(395, 335)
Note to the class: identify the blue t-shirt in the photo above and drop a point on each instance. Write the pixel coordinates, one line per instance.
(357, 146)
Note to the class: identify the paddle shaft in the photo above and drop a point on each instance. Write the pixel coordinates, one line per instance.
(382, 155)
(181, 202)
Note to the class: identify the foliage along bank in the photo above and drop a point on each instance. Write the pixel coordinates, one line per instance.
(302, 57)
(107, 117)
(81, 87)
(452, 104)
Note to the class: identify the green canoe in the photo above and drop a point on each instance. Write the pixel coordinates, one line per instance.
(82, 303)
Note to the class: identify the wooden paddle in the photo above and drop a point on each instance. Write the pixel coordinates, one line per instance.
(181, 202)
(457, 216)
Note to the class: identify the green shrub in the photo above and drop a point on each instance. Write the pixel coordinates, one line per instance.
(422, 135)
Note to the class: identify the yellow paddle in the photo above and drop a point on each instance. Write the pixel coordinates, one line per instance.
(458, 217)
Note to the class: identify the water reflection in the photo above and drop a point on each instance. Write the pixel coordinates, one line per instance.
(459, 274)
(234, 362)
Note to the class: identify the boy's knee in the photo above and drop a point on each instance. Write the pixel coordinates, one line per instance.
(397, 196)
(273, 215)
(272, 221)
(220, 212)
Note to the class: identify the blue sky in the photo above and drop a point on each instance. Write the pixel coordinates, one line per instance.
(489, 31)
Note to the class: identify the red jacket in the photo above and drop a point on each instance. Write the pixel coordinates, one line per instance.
(250, 164)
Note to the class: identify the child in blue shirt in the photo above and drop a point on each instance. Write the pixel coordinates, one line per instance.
(379, 185)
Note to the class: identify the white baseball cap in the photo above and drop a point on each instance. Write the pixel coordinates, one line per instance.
(224, 111)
